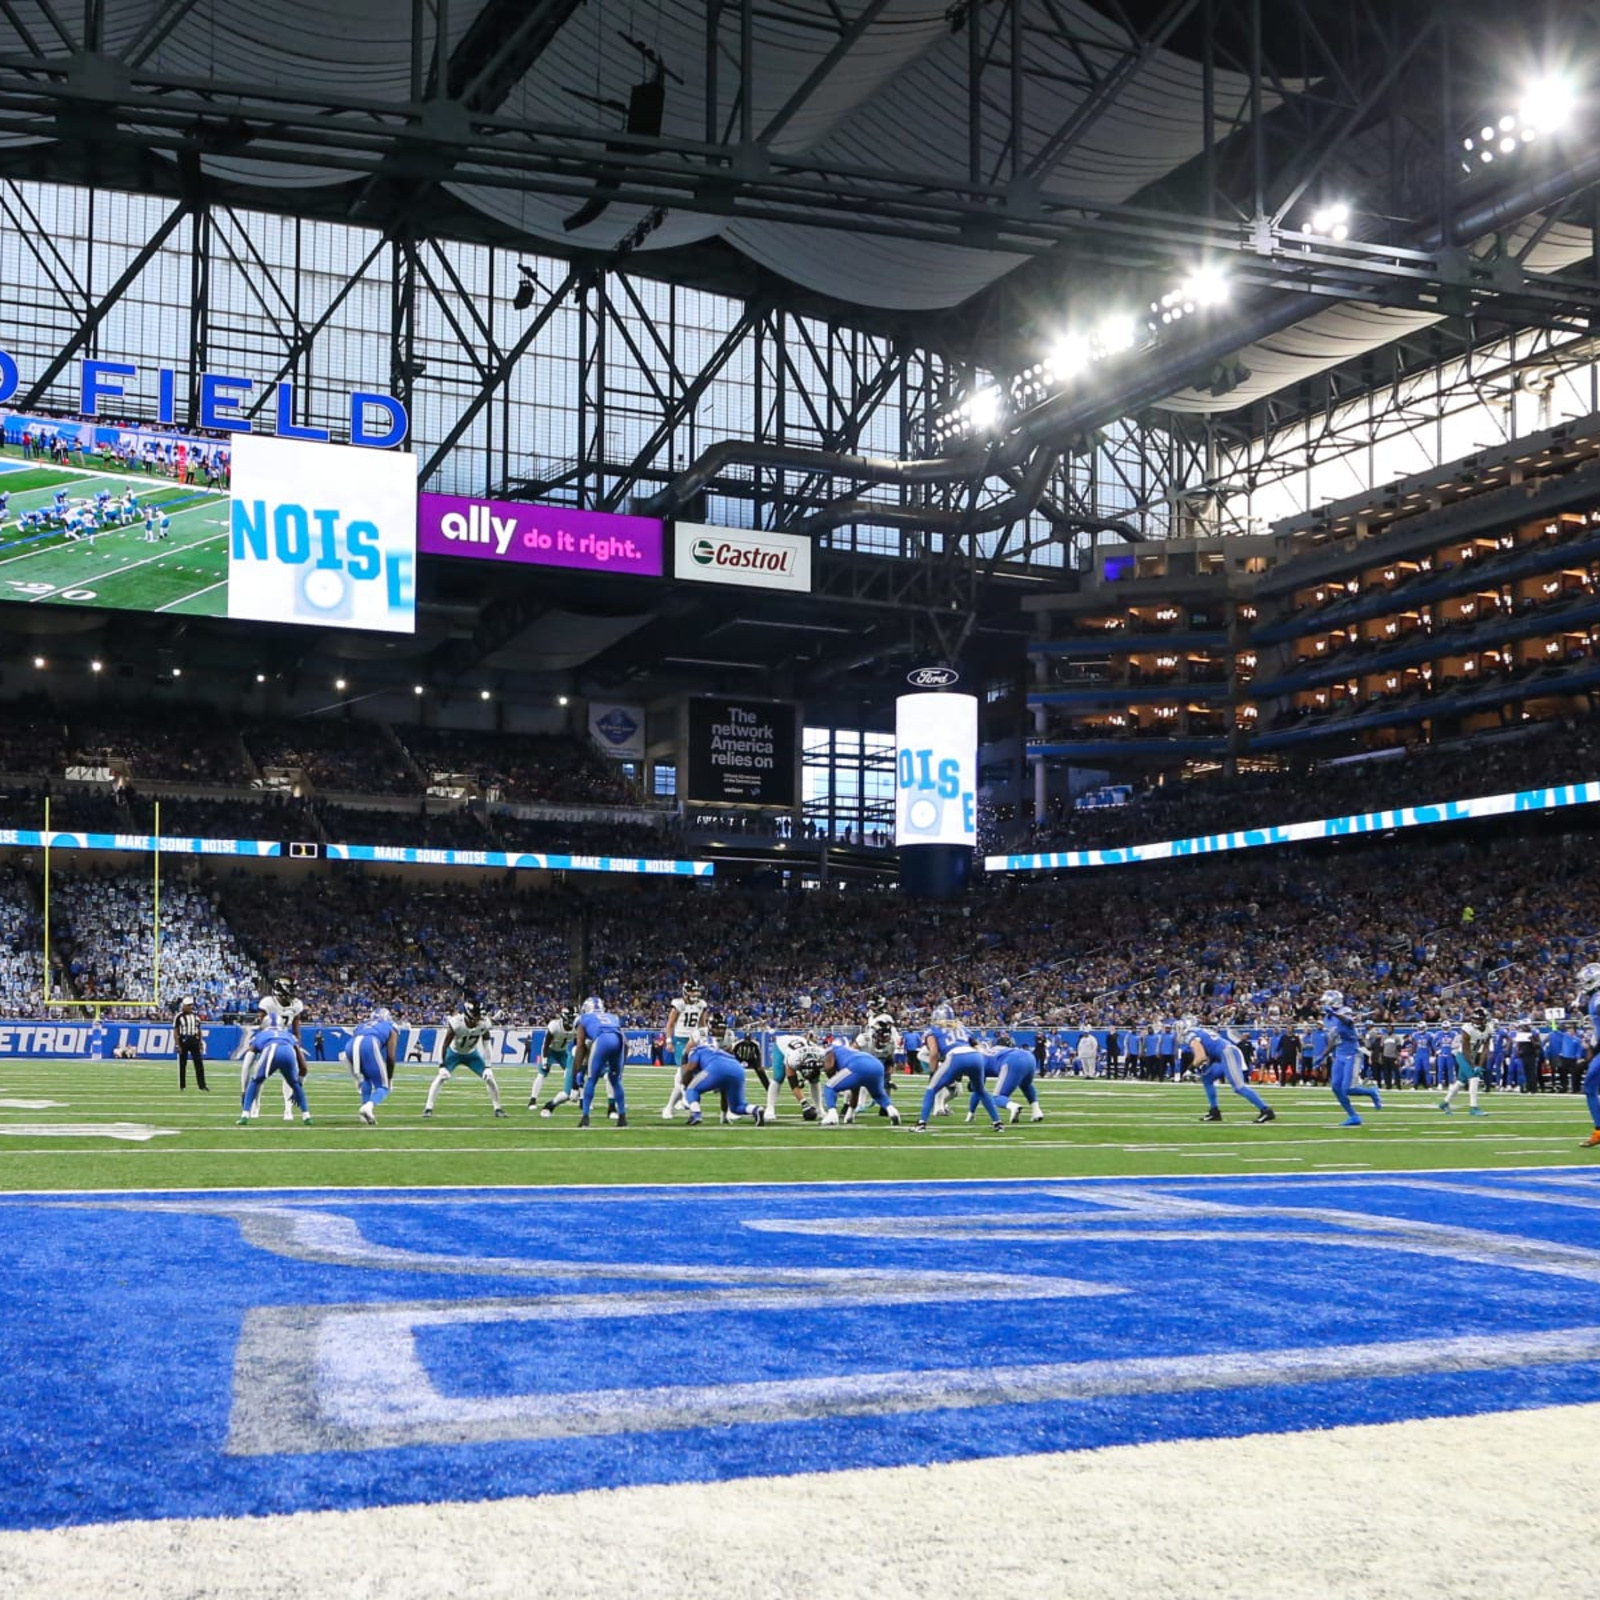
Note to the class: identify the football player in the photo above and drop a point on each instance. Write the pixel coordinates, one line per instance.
(274, 1050)
(372, 1049)
(799, 1064)
(713, 1067)
(955, 1060)
(1589, 999)
(684, 1022)
(465, 1032)
(1015, 1068)
(847, 1068)
(602, 1050)
(1215, 1056)
(560, 1035)
(1344, 1046)
(280, 1008)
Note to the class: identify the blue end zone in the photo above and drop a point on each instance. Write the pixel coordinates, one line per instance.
(203, 1354)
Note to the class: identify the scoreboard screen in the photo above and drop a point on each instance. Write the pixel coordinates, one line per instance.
(318, 534)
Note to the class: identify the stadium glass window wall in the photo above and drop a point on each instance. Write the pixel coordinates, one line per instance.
(625, 382)
(847, 789)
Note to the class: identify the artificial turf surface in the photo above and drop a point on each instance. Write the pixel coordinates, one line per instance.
(185, 573)
(1092, 1128)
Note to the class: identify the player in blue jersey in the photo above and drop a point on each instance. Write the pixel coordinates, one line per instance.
(1344, 1049)
(1216, 1057)
(1015, 1068)
(959, 1061)
(941, 1036)
(713, 1069)
(1589, 998)
(846, 1068)
(465, 1031)
(601, 1050)
(372, 1051)
(272, 1050)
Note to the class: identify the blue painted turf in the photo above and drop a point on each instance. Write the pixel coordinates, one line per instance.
(178, 1355)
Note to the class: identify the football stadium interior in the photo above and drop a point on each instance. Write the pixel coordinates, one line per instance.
(952, 646)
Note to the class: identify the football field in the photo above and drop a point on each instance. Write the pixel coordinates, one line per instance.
(187, 572)
(1119, 1352)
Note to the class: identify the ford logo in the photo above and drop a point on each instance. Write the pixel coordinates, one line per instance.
(933, 677)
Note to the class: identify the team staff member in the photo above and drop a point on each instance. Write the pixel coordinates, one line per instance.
(189, 1042)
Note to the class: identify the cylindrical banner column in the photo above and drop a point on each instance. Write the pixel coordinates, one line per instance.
(936, 792)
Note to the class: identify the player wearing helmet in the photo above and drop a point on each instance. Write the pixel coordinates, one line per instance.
(799, 1064)
(1217, 1057)
(1344, 1046)
(372, 1051)
(465, 1031)
(1589, 998)
(280, 1009)
(560, 1039)
(601, 1051)
(685, 1019)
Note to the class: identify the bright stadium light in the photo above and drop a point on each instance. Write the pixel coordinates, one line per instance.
(261, 677)
(177, 672)
(982, 409)
(96, 666)
(1333, 221)
(1115, 333)
(339, 684)
(1068, 356)
(561, 699)
(418, 689)
(1546, 107)
(38, 662)
(483, 694)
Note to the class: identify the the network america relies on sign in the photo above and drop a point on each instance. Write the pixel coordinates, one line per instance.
(1493, 805)
(936, 769)
(741, 752)
(749, 559)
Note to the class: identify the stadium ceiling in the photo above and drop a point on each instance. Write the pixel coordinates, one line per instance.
(971, 177)
(972, 173)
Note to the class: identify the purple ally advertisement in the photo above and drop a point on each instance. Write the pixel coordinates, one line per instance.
(526, 535)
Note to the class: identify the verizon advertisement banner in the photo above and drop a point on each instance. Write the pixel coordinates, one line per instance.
(748, 558)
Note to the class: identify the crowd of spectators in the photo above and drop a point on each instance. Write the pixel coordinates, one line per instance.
(339, 754)
(103, 927)
(21, 946)
(178, 746)
(522, 768)
(456, 829)
(1549, 754)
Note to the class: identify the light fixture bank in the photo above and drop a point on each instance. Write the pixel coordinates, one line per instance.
(222, 398)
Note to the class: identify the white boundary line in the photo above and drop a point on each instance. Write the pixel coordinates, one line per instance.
(793, 1183)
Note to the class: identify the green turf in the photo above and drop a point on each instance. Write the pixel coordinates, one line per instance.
(1091, 1129)
(186, 572)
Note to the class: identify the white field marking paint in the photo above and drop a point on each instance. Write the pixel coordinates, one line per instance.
(1138, 1520)
(518, 1193)
(33, 1105)
(132, 566)
(135, 1132)
(328, 1239)
(186, 598)
(304, 1382)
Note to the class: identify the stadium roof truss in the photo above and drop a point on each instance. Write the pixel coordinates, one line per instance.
(905, 200)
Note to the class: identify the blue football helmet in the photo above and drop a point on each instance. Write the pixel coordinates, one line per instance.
(593, 1005)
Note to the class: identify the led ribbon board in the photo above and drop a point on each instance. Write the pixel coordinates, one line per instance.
(936, 769)
(1493, 805)
(37, 838)
(409, 855)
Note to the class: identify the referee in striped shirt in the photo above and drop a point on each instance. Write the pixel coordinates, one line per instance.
(190, 1044)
